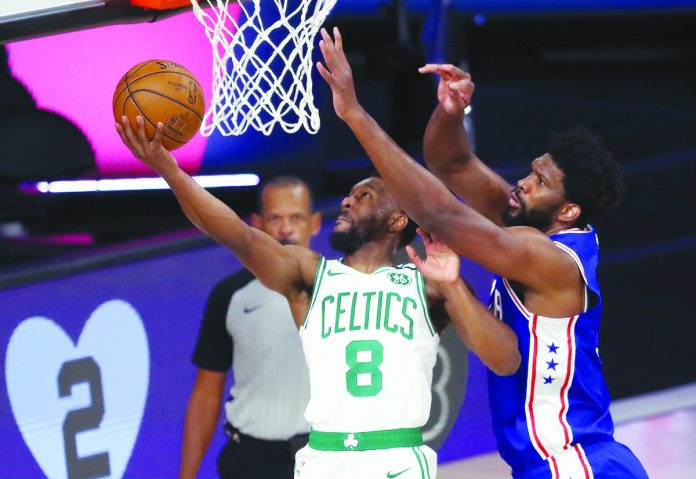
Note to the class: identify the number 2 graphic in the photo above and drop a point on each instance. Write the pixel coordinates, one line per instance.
(83, 370)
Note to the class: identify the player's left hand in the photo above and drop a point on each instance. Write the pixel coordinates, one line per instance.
(455, 89)
(441, 264)
(338, 74)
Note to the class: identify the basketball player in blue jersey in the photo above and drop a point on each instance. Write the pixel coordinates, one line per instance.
(368, 338)
(551, 418)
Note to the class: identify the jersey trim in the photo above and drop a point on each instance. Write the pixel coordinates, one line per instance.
(571, 463)
(381, 269)
(520, 306)
(523, 309)
(425, 460)
(318, 276)
(425, 472)
(529, 408)
(589, 229)
(570, 372)
(420, 283)
(575, 258)
(548, 436)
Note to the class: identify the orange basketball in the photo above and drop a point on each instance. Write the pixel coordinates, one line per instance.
(160, 90)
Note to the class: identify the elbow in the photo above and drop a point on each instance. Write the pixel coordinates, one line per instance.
(433, 221)
(508, 362)
(508, 365)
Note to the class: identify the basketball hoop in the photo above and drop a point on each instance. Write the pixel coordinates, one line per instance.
(262, 69)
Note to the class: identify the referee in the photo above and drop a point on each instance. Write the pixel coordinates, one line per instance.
(249, 328)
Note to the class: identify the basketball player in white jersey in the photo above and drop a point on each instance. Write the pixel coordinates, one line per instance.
(367, 335)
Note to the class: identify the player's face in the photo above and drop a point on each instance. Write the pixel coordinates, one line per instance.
(364, 216)
(537, 199)
(287, 215)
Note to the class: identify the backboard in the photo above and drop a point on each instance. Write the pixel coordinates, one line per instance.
(20, 20)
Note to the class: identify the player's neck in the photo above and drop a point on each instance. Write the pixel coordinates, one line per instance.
(370, 257)
(557, 227)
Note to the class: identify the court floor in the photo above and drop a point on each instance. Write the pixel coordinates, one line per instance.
(659, 427)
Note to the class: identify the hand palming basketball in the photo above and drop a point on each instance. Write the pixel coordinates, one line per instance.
(161, 91)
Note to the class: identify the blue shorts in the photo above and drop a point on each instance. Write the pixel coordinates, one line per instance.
(605, 460)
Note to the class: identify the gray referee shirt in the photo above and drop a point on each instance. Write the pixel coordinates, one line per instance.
(271, 382)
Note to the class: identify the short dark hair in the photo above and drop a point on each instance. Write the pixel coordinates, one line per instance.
(592, 177)
(283, 181)
(408, 234)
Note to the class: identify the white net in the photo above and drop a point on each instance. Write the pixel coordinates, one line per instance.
(262, 64)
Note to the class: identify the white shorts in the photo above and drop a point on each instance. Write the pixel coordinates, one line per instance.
(418, 462)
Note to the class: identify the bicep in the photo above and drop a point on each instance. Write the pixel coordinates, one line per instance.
(529, 257)
(275, 265)
(521, 254)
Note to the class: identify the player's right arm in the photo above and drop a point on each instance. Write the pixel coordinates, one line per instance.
(201, 420)
(447, 150)
(489, 338)
(285, 269)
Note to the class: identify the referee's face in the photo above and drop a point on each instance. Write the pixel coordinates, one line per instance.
(287, 215)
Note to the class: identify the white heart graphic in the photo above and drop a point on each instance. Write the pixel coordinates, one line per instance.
(114, 338)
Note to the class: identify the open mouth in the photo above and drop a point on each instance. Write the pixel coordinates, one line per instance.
(342, 219)
(514, 200)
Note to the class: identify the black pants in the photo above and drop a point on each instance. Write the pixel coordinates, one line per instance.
(250, 458)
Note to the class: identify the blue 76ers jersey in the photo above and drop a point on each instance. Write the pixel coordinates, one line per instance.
(557, 400)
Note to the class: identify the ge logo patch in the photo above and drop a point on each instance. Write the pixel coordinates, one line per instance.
(79, 406)
(399, 278)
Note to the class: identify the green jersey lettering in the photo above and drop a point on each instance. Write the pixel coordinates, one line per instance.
(378, 324)
(387, 311)
(368, 296)
(408, 333)
(352, 326)
(391, 312)
(324, 331)
(339, 311)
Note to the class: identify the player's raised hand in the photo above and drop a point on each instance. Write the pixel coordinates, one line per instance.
(455, 89)
(441, 264)
(150, 152)
(338, 74)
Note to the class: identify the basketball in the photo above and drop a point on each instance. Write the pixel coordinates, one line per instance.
(161, 91)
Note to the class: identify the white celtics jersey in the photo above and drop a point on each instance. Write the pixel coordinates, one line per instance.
(370, 348)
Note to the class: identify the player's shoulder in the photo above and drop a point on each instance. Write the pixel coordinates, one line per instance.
(527, 231)
(305, 256)
(577, 238)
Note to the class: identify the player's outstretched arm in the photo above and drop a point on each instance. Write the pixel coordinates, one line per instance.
(491, 339)
(519, 254)
(286, 269)
(447, 150)
(426, 199)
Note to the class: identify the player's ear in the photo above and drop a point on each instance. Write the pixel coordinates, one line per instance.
(256, 221)
(315, 223)
(398, 222)
(569, 214)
